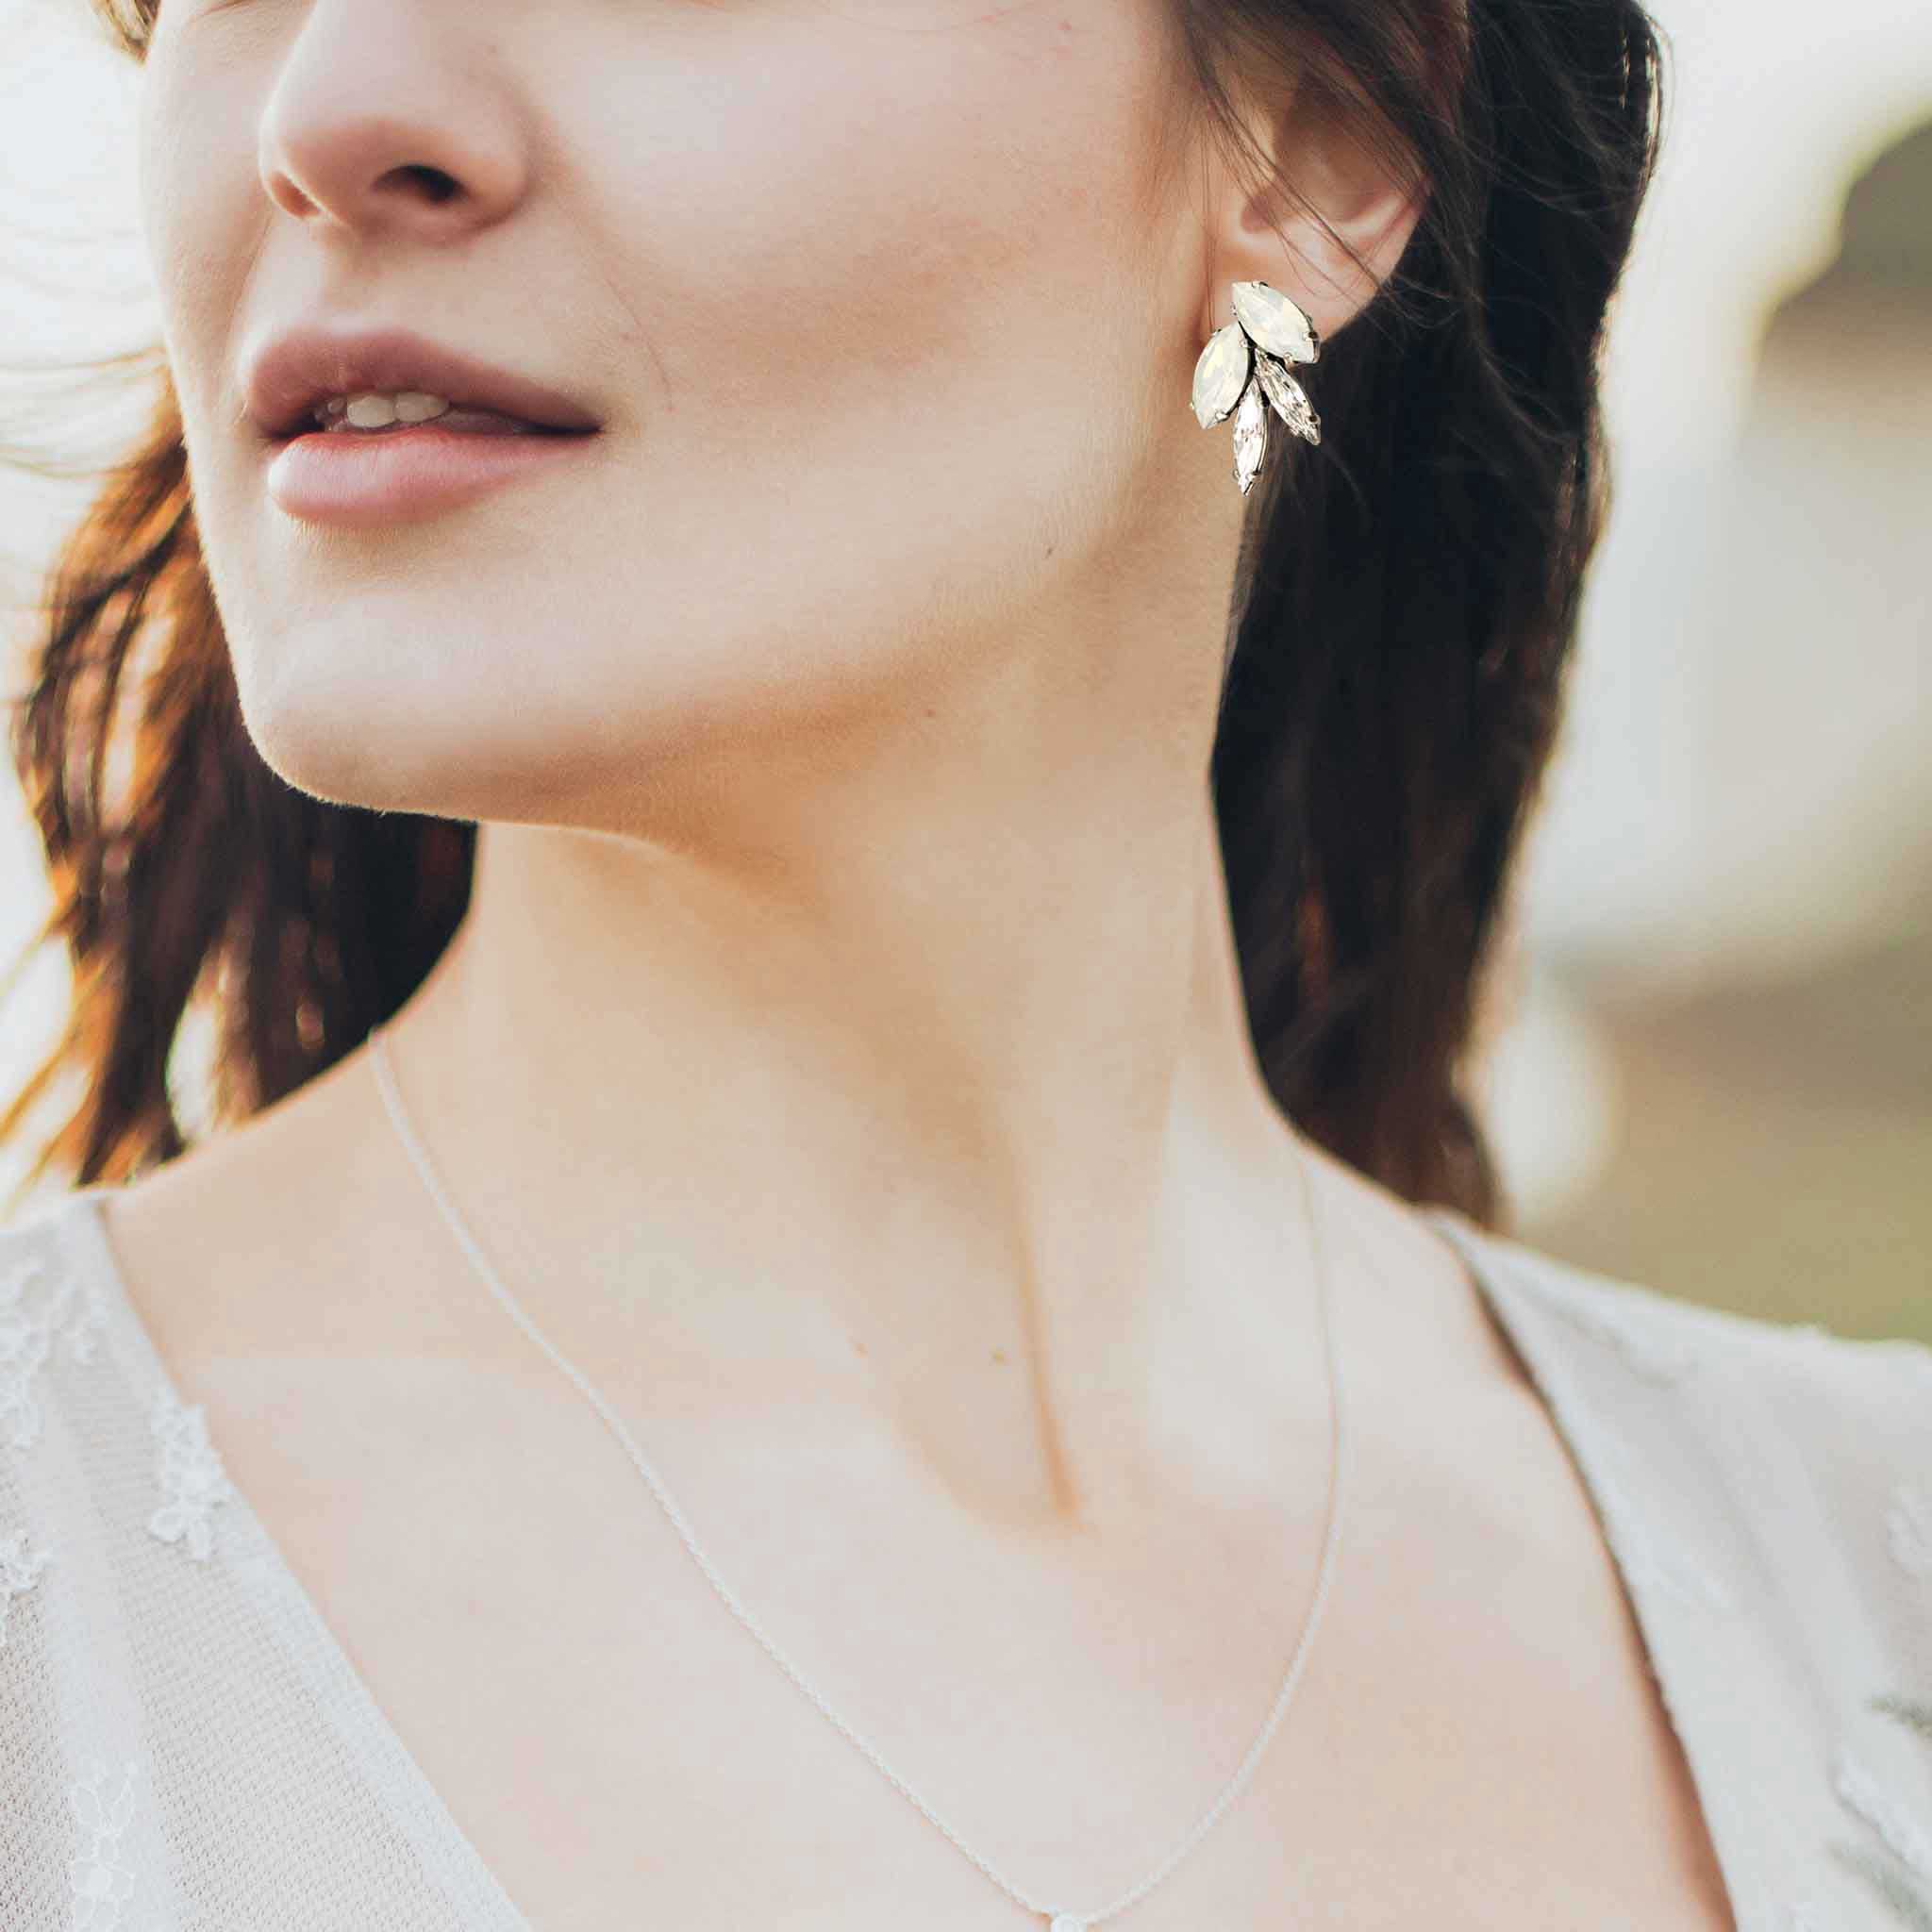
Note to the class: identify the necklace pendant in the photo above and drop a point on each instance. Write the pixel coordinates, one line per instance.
(1067, 1922)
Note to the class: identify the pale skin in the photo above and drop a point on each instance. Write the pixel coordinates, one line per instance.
(844, 1057)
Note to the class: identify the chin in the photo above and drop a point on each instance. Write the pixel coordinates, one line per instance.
(358, 742)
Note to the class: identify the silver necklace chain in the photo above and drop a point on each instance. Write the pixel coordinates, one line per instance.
(1059, 1921)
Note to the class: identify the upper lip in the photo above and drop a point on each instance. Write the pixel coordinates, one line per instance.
(286, 378)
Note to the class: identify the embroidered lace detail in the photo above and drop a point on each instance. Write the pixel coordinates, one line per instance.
(102, 1884)
(1862, 1793)
(1879, 1875)
(1914, 1716)
(18, 1572)
(1908, 1528)
(1657, 1355)
(31, 1326)
(1903, 1854)
(190, 1475)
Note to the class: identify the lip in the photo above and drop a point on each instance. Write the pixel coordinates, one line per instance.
(357, 482)
(285, 378)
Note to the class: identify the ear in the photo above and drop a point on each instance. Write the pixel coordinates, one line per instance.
(1317, 185)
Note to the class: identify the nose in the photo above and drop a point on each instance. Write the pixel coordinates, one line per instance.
(390, 118)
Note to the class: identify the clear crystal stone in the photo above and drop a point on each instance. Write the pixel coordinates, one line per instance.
(1278, 324)
(1250, 435)
(1290, 399)
(1221, 374)
(1066, 1922)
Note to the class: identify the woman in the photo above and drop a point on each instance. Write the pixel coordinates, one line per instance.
(762, 943)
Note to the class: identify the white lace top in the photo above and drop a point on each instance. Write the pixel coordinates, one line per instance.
(183, 1744)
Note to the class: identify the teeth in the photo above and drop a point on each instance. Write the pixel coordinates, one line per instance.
(373, 409)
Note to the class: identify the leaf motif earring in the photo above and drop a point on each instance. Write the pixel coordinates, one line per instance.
(1243, 369)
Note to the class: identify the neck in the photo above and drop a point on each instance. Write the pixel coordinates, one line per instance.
(923, 1061)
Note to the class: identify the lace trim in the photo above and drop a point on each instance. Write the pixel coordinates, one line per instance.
(101, 1883)
(1897, 1868)
(18, 1572)
(1864, 1794)
(190, 1475)
(30, 1329)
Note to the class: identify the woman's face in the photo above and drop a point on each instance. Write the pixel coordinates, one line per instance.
(888, 310)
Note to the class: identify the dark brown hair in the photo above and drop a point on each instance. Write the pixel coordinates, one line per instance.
(1404, 607)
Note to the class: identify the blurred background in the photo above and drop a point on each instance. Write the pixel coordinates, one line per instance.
(1707, 1060)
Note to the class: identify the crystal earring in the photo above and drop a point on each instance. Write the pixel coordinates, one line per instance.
(1243, 367)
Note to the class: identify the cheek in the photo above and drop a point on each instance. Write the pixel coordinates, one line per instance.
(893, 228)
(872, 291)
(201, 213)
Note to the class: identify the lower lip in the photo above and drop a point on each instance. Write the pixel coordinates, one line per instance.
(356, 481)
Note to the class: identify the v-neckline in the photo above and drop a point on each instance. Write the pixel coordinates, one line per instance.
(251, 1553)
(1684, 1648)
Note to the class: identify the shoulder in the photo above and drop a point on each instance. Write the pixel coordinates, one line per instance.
(1815, 1448)
(1820, 1380)
(54, 1309)
(71, 1414)
(115, 1618)
(66, 1440)
(1768, 1486)
(97, 1445)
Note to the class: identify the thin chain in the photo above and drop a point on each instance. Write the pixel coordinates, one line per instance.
(1331, 1541)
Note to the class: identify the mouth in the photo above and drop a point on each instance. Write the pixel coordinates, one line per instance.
(372, 428)
(396, 384)
(333, 419)
(391, 474)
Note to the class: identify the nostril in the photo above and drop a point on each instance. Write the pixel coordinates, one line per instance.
(440, 185)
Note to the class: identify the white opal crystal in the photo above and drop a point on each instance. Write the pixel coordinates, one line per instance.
(1221, 374)
(1065, 1921)
(1250, 435)
(1290, 399)
(1276, 324)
